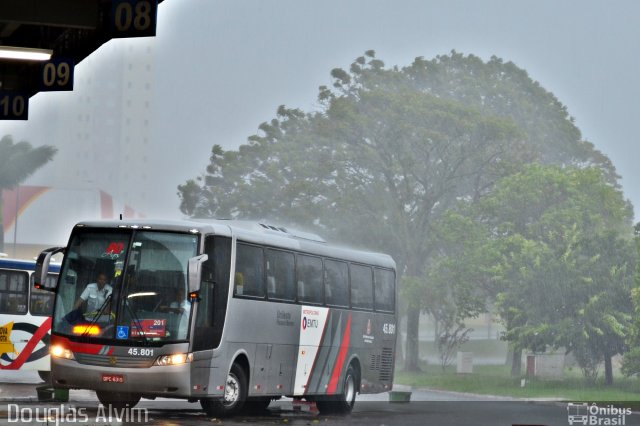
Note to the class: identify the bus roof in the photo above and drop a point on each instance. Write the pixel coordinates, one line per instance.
(254, 232)
(25, 265)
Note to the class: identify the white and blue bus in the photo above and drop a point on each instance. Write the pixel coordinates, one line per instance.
(25, 317)
(229, 313)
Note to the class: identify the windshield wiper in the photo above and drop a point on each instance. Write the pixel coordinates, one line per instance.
(136, 321)
(98, 314)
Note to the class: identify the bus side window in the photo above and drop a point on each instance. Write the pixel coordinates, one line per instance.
(13, 292)
(309, 276)
(361, 287)
(249, 263)
(336, 283)
(41, 302)
(280, 274)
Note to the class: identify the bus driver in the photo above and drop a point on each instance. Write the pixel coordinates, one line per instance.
(94, 294)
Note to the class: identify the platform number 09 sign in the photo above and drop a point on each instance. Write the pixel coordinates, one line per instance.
(57, 74)
(133, 18)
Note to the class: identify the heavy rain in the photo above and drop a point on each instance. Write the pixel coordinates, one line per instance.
(487, 147)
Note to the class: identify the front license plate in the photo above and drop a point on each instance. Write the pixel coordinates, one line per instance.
(113, 378)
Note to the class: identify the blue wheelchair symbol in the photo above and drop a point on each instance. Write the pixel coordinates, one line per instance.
(122, 332)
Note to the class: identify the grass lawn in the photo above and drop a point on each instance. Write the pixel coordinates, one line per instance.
(496, 380)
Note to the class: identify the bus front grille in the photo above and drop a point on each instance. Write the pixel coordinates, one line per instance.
(111, 361)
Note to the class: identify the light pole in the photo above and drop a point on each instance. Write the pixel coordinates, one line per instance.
(15, 223)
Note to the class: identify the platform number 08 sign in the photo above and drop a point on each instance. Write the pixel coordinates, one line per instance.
(133, 18)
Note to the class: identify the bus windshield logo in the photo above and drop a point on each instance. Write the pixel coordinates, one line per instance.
(115, 248)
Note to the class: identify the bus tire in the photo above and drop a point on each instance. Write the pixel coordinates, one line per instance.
(342, 403)
(118, 400)
(235, 395)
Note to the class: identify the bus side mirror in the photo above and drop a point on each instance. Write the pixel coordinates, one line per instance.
(42, 267)
(194, 272)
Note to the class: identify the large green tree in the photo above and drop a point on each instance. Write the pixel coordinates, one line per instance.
(388, 153)
(631, 361)
(564, 274)
(18, 161)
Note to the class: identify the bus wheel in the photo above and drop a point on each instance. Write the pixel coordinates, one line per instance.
(344, 402)
(118, 400)
(45, 376)
(235, 395)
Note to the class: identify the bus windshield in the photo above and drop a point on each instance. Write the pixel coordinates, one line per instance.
(125, 285)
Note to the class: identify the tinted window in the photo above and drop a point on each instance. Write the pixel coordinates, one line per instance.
(13, 292)
(41, 302)
(336, 283)
(249, 277)
(361, 287)
(309, 276)
(280, 275)
(384, 290)
(212, 305)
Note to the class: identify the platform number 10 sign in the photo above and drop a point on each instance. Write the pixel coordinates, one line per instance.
(133, 18)
(14, 106)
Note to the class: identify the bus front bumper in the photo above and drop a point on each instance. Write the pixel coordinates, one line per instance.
(172, 381)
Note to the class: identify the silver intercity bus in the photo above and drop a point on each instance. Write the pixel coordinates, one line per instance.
(229, 313)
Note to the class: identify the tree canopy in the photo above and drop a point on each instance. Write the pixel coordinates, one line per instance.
(558, 250)
(18, 161)
(389, 152)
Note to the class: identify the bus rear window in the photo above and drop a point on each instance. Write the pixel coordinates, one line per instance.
(384, 290)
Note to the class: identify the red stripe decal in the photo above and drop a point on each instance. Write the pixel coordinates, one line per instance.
(29, 347)
(342, 355)
(320, 344)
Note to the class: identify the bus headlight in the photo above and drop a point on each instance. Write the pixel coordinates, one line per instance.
(175, 359)
(61, 352)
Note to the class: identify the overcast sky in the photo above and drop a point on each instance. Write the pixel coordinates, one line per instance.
(224, 66)
(244, 58)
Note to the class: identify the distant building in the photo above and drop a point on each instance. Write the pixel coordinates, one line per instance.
(102, 132)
